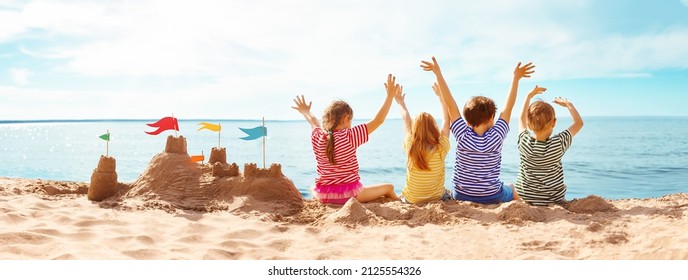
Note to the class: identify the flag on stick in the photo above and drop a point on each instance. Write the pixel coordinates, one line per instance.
(163, 124)
(209, 126)
(255, 133)
(200, 158)
(106, 137)
(212, 127)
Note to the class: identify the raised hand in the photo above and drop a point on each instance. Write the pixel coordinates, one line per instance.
(399, 96)
(436, 89)
(301, 106)
(577, 120)
(537, 90)
(431, 66)
(391, 86)
(562, 102)
(524, 71)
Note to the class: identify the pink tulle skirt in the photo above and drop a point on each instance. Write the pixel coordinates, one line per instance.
(336, 194)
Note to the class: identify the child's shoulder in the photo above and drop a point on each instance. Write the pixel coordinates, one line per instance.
(565, 134)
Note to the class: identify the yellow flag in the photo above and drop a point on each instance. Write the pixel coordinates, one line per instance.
(210, 126)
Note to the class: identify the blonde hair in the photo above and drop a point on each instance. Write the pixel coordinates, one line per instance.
(540, 114)
(424, 137)
(332, 117)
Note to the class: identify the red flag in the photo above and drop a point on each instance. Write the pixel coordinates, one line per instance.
(163, 124)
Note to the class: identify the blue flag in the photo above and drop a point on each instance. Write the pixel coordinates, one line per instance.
(254, 133)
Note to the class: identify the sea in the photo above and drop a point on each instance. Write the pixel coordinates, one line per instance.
(613, 157)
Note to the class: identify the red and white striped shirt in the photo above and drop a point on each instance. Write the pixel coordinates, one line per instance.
(346, 141)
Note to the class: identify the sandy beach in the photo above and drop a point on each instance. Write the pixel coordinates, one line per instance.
(44, 220)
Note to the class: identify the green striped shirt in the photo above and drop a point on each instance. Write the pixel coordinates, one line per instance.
(540, 174)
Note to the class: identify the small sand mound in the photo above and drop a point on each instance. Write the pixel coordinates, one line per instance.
(64, 188)
(391, 212)
(517, 213)
(352, 213)
(431, 213)
(590, 204)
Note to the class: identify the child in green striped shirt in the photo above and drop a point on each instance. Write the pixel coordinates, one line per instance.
(540, 174)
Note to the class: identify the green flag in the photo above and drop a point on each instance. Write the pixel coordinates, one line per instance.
(105, 136)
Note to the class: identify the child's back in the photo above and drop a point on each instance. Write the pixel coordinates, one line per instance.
(478, 158)
(334, 145)
(344, 174)
(541, 174)
(426, 147)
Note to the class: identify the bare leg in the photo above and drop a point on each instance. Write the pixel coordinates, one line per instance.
(374, 192)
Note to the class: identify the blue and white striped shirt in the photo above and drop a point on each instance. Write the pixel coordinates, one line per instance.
(478, 158)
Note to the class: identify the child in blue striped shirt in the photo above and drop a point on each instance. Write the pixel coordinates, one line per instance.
(479, 140)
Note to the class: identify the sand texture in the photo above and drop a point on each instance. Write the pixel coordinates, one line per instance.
(176, 218)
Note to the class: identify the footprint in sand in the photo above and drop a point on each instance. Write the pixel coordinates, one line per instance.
(219, 254)
(280, 245)
(14, 238)
(244, 234)
(143, 254)
(236, 244)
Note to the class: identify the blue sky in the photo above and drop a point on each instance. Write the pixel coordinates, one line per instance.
(248, 59)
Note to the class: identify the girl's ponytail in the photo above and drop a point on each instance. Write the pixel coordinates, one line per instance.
(333, 114)
(330, 147)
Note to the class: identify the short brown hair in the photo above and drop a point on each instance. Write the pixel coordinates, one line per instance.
(540, 113)
(479, 109)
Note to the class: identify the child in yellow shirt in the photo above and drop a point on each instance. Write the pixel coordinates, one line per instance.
(426, 146)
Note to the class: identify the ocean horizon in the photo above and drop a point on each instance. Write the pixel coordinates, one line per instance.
(614, 157)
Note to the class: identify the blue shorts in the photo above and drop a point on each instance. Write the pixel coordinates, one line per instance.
(505, 194)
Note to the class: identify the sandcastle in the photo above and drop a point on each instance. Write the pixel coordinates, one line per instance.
(176, 145)
(173, 181)
(225, 170)
(220, 167)
(218, 155)
(103, 180)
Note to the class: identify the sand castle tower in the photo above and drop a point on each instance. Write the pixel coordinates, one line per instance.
(218, 154)
(176, 145)
(103, 180)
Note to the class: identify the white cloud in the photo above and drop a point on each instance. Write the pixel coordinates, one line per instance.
(252, 51)
(20, 76)
(66, 17)
(325, 43)
(685, 2)
(10, 24)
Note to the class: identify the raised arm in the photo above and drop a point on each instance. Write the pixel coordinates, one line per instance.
(444, 129)
(577, 120)
(391, 86)
(519, 72)
(400, 97)
(305, 110)
(523, 124)
(446, 96)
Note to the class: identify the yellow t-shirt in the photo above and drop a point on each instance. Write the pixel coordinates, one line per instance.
(425, 185)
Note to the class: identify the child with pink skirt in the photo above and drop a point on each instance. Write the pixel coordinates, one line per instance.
(334, 145)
